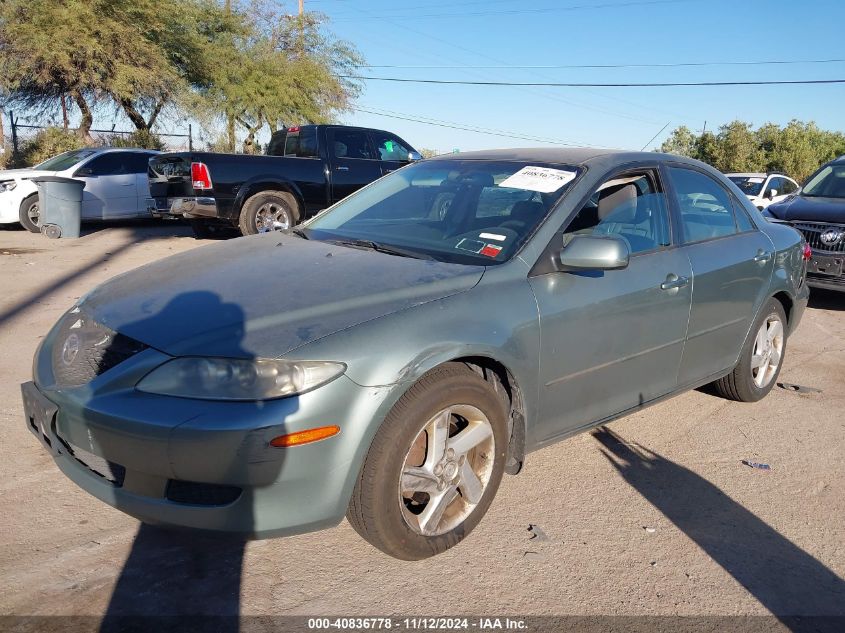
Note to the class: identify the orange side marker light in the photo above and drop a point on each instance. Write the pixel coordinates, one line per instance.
(304, 437)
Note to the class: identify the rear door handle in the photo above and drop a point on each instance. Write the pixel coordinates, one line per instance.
(342, 168)
(762, 256)
(673, 282)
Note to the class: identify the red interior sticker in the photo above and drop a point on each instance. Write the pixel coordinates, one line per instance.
(491, 250)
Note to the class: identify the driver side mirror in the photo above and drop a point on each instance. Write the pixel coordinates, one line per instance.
(593, 252)
(414, 156)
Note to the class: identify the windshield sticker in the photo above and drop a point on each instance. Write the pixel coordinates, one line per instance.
(492, 236)
(472, 246)
(491, 250)
(755, 180)
(542, 179)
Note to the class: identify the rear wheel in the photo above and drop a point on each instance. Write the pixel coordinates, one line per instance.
(268, 211)
(434, 466)
(761, 360)
(30, 214)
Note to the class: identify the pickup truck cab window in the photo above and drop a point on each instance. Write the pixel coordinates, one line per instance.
(389, 147)
(351, 144)
(301, 142)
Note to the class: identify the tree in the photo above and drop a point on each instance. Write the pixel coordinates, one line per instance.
(796, 149)
(272, 70)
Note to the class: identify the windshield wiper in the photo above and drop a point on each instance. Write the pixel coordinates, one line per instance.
(370, 245)
(300, 233)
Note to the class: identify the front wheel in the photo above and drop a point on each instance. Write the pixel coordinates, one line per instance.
(268, 211)
(761, 358)
(434, 467)
(30, 214)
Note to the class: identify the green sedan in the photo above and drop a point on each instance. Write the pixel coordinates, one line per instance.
(391, 358)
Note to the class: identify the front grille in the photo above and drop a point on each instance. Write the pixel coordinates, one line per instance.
(813, 231)
(115, 473)
(201, 494)
(84, 349)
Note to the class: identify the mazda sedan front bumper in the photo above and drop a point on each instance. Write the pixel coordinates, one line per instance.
(198, 463)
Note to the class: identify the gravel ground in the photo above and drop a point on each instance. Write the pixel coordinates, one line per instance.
(654, 515)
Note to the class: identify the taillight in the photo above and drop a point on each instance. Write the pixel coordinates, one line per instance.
(808, 252)
(200, 177)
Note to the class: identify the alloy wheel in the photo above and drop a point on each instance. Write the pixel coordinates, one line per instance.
(768, 351)
(446, 470)
(272, 216)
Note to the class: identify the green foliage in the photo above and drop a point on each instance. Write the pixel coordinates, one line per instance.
(140, 138)
(240, 60)
(47, 143)
(796, 149)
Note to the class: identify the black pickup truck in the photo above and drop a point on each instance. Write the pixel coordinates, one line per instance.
(306, 169)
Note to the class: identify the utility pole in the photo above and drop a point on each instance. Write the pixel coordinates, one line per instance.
(301, 7)
(230, 118)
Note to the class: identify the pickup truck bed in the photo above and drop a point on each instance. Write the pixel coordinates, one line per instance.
(315, 166)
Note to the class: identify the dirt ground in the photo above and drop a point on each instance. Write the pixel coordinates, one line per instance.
(657, 515)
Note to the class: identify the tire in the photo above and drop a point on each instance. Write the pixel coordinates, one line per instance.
(29, 214)
(745, 383)
(210, 230)
(268, 211)
(393, 512)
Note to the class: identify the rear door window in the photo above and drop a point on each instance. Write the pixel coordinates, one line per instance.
(706, 211)
(351, 144)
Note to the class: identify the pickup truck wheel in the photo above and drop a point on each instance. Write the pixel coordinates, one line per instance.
(269, 211)
(434, 466)
(30, 215)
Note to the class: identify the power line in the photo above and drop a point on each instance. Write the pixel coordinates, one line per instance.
(662, 84)
(599, 66)
(465, 127)
(471, 14)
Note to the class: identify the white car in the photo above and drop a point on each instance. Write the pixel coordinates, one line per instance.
(764, 189)
(116, 185)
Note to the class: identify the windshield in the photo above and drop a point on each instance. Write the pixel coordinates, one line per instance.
(750, 185)
(828, 182)
(65, 160)
(461, 211)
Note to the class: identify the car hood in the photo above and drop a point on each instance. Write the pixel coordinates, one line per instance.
(19, 174)
(801, 208)
(262, 296)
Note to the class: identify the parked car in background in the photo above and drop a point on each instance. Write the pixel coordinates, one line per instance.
(306, 169)
(818, 211)
(391, 358)
(764, 189)
(116, 185)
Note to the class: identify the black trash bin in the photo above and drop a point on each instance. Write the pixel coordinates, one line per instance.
(60, 202)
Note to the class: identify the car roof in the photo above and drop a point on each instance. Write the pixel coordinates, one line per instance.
(572, 156)
(103, 150)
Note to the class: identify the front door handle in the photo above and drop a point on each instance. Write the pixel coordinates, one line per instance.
(342, 168)
(762, 256)
(673, 282)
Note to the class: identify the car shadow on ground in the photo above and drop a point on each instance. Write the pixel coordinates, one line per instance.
(142, 229)
(784, 578)
(826, 300)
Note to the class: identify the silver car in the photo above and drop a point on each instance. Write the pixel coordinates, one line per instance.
(390, 359)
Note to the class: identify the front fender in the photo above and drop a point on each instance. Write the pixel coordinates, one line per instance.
(497, 319)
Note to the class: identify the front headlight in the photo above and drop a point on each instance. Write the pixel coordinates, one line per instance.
(8, 185)
(235, 379)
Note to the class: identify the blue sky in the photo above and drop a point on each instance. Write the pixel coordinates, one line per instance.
(558, 32)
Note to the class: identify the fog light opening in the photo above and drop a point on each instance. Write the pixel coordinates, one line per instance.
(304, 437)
